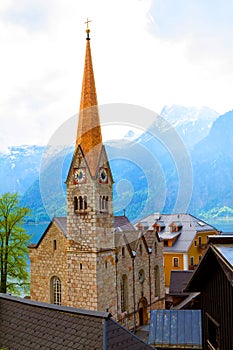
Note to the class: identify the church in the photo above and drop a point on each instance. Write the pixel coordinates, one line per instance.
(92, 259)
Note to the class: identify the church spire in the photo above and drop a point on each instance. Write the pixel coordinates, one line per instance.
(89, 131)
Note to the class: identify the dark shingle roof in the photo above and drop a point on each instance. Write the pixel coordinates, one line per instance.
(178, 281)
(26, 324)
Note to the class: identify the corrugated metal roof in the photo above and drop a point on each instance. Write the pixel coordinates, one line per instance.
(180, 328)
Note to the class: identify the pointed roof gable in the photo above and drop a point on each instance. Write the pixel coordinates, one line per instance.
(89, 135)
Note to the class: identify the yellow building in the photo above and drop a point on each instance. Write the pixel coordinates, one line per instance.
(184, 239)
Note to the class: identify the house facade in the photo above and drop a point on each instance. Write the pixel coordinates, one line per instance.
(91, 259)
(184, 239)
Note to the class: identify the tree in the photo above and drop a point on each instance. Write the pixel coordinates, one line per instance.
(13, 246)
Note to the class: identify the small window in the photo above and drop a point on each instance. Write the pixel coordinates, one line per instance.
(81, 266)
(54, 244)
(123, 252)
(141, 276)
(199, 240)
(195, 243)
(192, 261)
(165, 243)
(106, 264)
(175, 262)
(140, 249)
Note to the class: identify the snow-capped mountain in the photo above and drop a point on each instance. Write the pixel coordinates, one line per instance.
(191, 123)
(19, 168)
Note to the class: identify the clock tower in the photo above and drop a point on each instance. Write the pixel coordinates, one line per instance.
(90, 233)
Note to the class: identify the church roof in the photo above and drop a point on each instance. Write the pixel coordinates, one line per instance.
(89, 136)
(27, 324)
(122, 223)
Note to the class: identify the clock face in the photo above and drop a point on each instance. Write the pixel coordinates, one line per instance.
(103, 175)
(79, 175)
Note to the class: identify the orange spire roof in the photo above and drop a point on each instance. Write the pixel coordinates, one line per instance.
(89, 135)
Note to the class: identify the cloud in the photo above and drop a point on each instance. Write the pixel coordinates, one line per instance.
(145, 52)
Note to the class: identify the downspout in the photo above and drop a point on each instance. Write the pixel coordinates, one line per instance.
(149, 254)
(116, 269)
(134, 301)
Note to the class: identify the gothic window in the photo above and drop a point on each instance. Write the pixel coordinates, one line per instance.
(124, 293)
(157, 281)
(56, 290)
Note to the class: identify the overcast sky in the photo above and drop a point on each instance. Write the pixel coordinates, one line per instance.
(145, 52)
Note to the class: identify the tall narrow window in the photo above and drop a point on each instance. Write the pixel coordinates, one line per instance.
(157, 281)
(106, 204)
(175, 262)
(199, 240)
(103, 203)
(100, 203)
(123, 252)
(85, 202)
(54, 244)
(56, 290)
(192, 261)
(124, 293)
(80, 202)
(75, 203)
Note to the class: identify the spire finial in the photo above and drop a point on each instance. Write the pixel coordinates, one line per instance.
(87, 29)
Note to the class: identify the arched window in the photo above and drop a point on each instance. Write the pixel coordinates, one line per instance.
(157, 281)
(85, 202)
(106, 204)
(75, 203)
(55, 290)
(103, 203)
(124, 293)
(141, 276)
(80, 202)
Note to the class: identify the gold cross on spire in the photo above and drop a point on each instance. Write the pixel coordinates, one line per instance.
(87, 29)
